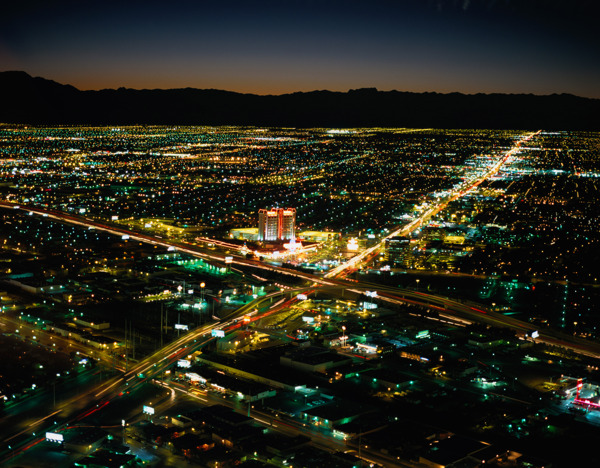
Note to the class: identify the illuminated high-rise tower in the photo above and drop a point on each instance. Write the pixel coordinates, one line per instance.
(288, 224)
(268, 221)
(276, 224)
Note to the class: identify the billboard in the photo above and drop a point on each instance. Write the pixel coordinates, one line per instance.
(54, 437)
(218, 333)
(148, 410)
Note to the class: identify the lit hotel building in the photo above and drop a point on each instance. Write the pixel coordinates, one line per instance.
(276, 224)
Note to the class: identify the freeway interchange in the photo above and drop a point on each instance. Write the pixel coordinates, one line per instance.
(77, 408)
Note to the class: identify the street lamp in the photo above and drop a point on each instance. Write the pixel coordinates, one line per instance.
(202, 285)
(417, 280)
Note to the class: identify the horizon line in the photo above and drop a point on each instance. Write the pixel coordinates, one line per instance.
(365, 88)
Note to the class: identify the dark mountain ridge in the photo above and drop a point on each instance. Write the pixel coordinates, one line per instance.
(30, 100)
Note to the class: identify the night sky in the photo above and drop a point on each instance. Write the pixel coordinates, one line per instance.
(469, 46)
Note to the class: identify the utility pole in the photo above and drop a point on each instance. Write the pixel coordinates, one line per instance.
(126, 351)
(359, 446)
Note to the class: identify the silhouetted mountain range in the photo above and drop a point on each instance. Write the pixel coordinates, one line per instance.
(24, 99)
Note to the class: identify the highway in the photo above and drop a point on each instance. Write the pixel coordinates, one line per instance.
(465, 188)
(190, 249)
(72, 410)
(459, 312)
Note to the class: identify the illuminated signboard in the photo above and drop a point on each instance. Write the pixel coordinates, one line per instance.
(218, 333)
(367, 347)
(195, 377)
(308, 319)
(352, 245)
(535, 334)
(423, 334)
(371, 293)
(54, 437)
(114, 218)
(184, 363)
(125, 236)
(301, 297)
(180, 326)
(228, 259)
(148, 410)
